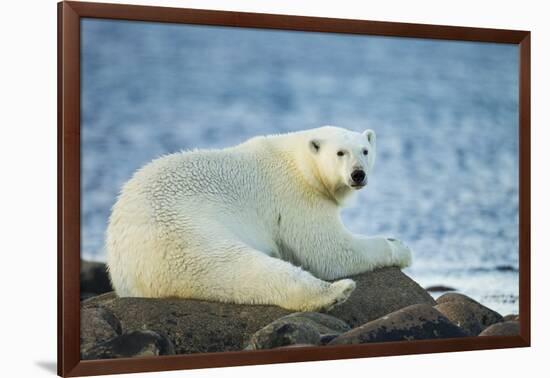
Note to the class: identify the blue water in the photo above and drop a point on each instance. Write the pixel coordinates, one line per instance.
(445, 114)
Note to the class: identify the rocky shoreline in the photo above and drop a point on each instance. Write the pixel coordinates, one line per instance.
(387, 305)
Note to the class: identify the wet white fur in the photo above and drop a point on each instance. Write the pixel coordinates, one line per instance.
(257, 223)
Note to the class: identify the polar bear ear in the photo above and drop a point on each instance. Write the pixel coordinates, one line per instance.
(370, 135)
(315, 145)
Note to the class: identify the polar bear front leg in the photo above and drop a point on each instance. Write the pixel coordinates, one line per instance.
(401, 254)
(334, 252)
(380, 252)
(357, 255)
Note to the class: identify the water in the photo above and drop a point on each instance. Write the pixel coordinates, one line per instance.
(445, 114)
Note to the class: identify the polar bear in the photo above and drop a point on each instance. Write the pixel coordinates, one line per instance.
(257, 223)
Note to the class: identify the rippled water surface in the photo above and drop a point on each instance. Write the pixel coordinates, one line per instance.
(445, 114)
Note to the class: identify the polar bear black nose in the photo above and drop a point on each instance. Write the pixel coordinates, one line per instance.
(358, 176)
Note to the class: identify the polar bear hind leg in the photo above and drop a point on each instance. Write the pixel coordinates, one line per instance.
(241, 274)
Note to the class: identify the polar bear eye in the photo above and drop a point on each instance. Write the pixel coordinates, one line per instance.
(340, 153)
(365, 152)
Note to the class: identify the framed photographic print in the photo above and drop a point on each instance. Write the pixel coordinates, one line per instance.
(240, 188)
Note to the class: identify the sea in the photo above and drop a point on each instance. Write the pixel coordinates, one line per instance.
(445, 113)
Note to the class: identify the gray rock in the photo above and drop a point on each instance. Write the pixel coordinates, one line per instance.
(467, 313)
(94, 279)
(97, 325)
(510, 317)
(416, 322)
(509, 328)
(378, 293)
(134, 344)
(199, 326)
(307, 328)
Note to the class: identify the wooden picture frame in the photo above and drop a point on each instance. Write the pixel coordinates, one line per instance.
(69, 16)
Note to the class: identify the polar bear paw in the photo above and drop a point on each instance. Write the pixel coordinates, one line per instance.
(400, 254)
(338, 293)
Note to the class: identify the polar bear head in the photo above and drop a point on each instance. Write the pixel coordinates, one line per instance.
(342, 159)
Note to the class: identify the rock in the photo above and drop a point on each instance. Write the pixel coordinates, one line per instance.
(510, 317)
(196, 326)
(296, 346)
(452, 297)
(473, 317)
(192, 326)
(134, 344)
(467, 313)
(307, 328)
(378, 293)
(509, 328)
(94, 279)
(507, 268)
(97, 325)
(84, 296)
(416, 322)
(326, 325)
(281, 333)
(98, 300)
(439, 288)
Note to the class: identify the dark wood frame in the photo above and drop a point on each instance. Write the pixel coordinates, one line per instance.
(69, 15)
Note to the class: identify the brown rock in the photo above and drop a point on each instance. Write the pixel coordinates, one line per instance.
(510, 317)
(296, 346)
(192, 326)
(134, 344)
(416, 322)
(97, 325)
(509, 328)
(439, 288)
(200, 326)
(301, 328)
(281, 334)
(466, 312)
(452, 297)
(378, 293)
